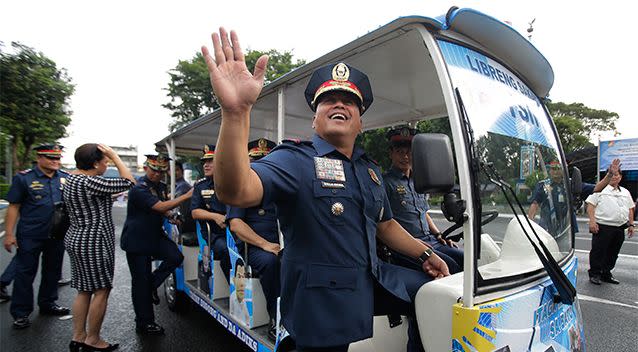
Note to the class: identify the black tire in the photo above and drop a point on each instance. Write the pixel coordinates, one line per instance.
(175, 300)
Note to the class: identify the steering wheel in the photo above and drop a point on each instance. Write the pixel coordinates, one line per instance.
(486, 217)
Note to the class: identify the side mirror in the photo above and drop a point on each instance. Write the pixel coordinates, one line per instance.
(576, 182)
(432, 163)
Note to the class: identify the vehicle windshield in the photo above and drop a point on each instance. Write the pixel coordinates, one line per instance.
(513, 136)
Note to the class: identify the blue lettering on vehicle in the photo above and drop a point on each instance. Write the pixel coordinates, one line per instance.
(225, 322)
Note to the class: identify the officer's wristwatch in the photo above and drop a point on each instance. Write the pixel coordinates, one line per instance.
(426, 255)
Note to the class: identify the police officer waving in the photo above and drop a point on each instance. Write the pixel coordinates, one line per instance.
(143, 240)
(32, 196)
(330, 201)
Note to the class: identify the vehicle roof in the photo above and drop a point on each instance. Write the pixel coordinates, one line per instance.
(390, 54)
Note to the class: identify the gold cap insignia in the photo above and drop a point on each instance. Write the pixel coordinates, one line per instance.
(206, 148)
(340, 72)
(262, 143)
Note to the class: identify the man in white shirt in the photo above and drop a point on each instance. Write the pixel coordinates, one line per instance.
(610, 212)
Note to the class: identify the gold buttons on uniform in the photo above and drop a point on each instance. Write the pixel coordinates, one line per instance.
(261, 212)
(337, 208)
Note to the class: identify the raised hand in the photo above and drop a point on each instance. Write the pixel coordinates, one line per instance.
(614, 168)
(235, 87)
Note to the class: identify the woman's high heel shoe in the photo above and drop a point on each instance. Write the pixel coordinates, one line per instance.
(110, 347)
(75, 346)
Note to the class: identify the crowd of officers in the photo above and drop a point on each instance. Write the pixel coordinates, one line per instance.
(326, 195)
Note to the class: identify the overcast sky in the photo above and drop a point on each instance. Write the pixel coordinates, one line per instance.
(118, 52)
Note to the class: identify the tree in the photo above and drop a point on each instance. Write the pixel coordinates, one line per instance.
(576, 123)
(34, 101)
(191, 94)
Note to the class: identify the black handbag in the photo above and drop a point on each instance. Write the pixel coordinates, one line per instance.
(60, 222)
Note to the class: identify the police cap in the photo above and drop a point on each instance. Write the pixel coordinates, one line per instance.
(259, 148)
(339, 77)
(157, 162)
(53, 151)
(208, 152)
(401, 136)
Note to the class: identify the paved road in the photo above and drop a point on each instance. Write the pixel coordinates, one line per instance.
(610, 313)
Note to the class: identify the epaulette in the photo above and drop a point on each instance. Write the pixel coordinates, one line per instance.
(24, 172)
(199, 181)
(142, 183)
(296, 141)
(64, 172)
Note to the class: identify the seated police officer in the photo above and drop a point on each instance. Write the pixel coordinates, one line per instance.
(205, 207)
(410, 209)
(144, 240)
(257, 228)
(330, 201)
(31, 199)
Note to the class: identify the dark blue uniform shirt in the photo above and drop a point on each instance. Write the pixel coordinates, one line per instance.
(181, 187)
(553, 210)
(204, 197)
(143, 226)
(262, 220)
(408, 207)
(328, 208)
(36, 193)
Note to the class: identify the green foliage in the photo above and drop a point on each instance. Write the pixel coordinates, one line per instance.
(191, 94)
(34, 106)
(4, 189)
(576, 123)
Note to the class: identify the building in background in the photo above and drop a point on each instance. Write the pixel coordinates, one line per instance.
(128, 156)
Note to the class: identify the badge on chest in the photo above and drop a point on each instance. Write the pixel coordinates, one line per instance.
(207, 193)
(329, 169)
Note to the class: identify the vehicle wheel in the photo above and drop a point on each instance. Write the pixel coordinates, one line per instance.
(175, 299)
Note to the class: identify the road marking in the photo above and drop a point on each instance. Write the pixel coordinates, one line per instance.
(600, 300)
(620, 255)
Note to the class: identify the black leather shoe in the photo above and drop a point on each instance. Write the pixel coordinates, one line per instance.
(610, 279)
(75, 346)
(150, 329)
(63, 282)
(594, 280)
(55, 310)
(4, 294)
(272, 331)
(155, 297)
(21, 323)
(110, 347)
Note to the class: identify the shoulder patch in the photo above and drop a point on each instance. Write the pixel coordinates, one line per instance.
(142, 183)
(24, 172)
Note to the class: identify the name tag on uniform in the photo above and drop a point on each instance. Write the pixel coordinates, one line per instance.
(329, 169)
(207, 193)
(333, 185)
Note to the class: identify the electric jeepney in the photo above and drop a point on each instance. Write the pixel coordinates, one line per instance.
(480, 76)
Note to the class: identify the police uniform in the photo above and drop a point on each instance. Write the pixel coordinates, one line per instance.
(329, 206)
(144, 240)
(36, 193)
(551, 197)
(262, 220)
(410, 208)
(204, 198)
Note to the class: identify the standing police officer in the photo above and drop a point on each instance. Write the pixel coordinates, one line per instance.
(206, 207)
(144, 240)
(32, 196)
(330, 201)
(410, 208)
(257, 228)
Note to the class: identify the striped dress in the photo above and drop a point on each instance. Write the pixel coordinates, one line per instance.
(90, 240)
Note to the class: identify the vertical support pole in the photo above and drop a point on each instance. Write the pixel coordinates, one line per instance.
(281, 113)
(170, 148)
